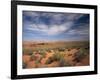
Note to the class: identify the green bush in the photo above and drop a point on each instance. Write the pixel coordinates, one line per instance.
(61, 49)
(55, 57)
(81, 54)
(60, 58)
(27, 52)
(64, 63)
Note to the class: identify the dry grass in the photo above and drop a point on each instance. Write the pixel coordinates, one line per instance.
(55, 54)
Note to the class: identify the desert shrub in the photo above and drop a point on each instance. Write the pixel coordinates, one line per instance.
(80, 54)
(50, 60)
(27, 52)
(77, 48)
(61, 49)
(56, 57)
(64, 63)
(84, 51)
(42, 52)
(69, 49)
(60, 57)
(32, 57)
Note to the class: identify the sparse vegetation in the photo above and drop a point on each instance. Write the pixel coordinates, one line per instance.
(55, 54)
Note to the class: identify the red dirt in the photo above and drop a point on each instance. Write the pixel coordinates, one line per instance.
(26, 58)
(54, 64)
(31, 64)
(68, 57)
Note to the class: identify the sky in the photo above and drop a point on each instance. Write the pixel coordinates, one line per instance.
(55, 26)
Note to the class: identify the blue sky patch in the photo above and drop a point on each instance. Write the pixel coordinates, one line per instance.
(53, 26)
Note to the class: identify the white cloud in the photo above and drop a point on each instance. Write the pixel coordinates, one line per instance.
(50, 29)
(80, 32)
(74, 16)
(53, 28)
(83, 30)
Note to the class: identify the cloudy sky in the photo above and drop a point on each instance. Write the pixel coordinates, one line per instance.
(52, 26)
